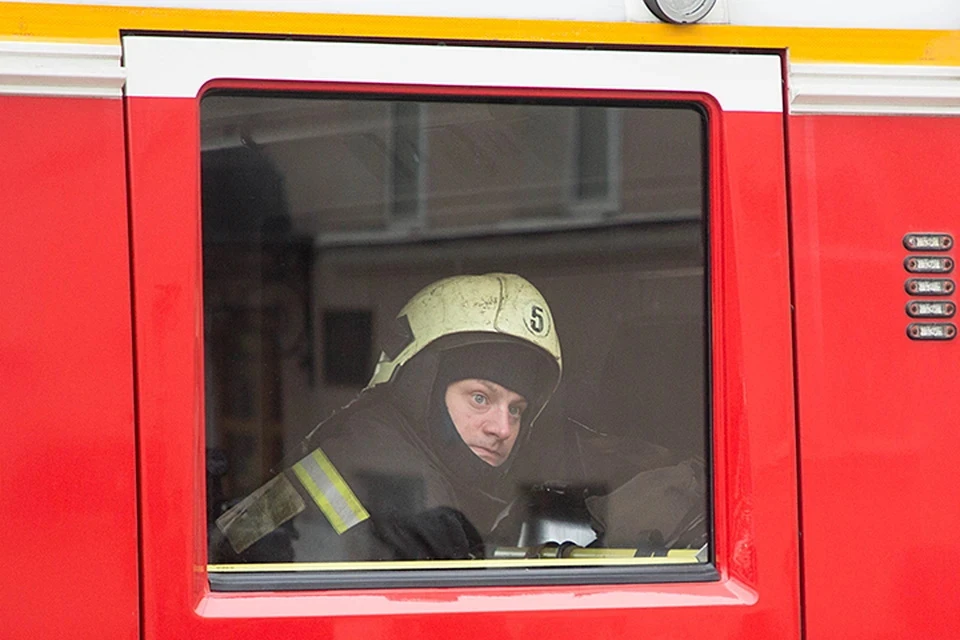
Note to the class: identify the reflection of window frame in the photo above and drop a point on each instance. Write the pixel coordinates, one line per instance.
(395, 218)
(353, 327)
(596, 206)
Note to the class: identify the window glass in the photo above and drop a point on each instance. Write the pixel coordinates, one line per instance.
(469, 333)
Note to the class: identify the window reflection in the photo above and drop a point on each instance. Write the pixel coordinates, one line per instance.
(323, 218)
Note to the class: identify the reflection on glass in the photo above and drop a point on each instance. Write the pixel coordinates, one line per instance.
(421, 345)
(593, 146)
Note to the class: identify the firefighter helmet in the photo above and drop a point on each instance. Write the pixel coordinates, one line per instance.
(469, 310)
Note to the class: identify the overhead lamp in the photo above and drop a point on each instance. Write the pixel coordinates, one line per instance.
(680, 11)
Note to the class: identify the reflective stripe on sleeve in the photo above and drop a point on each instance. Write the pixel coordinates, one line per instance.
(330, 491)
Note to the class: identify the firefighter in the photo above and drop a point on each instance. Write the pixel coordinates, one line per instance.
(418, 466)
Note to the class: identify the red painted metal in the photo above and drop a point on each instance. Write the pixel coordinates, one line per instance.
(68, 537)
(878, 451)
(880, 448)
(755, 506)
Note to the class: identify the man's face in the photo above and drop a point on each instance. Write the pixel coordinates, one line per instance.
(487, 417)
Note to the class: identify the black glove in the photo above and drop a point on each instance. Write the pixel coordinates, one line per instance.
(441, 533)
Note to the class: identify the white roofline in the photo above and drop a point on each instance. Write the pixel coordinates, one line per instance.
(874, 89)
(59, 69)
(180, 67)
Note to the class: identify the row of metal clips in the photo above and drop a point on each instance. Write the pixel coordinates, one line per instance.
(928, 266)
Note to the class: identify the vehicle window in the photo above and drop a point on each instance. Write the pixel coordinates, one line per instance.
(448, 334)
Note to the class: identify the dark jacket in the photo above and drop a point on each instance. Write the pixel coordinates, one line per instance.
(412, 505)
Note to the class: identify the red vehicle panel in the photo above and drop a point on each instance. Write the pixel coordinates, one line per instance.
(831, 449)
(876, 408)
(67, 464)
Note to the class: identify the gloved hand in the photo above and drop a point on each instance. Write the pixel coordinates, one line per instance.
(441, 533)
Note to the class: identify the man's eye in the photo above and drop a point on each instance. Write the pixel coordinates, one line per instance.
(516, 412)
(479, 398)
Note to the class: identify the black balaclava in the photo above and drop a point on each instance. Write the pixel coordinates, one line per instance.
(511, 366)
(420, 389)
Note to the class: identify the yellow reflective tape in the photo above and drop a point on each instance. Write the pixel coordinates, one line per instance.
(349, 496)
(330, 491)
(317, 494)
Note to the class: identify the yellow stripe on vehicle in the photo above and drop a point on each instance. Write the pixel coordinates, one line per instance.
(330, 492)
(53, 22)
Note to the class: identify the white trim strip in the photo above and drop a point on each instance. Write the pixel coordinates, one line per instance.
(874, 89)
(57, 69)
(179, 67)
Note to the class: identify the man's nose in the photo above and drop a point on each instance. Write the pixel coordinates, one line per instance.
(498, 422)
